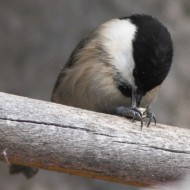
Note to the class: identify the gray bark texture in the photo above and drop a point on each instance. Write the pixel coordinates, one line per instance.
(55, 137)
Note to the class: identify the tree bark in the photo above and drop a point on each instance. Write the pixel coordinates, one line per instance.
(65, 139)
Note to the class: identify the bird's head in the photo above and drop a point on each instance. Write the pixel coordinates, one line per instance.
(152, 53)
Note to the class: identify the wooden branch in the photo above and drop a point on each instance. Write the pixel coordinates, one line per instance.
(55, 137)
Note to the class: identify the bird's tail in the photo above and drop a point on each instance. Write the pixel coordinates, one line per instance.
(27, 171)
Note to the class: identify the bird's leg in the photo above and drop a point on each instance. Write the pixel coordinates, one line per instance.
(130, 112)
(148, 114)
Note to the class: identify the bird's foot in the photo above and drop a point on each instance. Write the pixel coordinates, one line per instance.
(149, 115)
(132, 112)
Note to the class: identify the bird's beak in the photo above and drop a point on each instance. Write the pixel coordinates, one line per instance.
(136, 98)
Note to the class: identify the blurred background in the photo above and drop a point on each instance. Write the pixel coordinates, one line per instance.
(36, 38)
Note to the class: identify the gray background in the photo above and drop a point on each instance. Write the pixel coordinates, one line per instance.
(36, 38)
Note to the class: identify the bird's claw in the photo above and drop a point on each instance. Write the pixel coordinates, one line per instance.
(148, 114)
(130, 112)
(135, 114)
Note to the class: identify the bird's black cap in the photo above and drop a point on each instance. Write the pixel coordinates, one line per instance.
(152, 52)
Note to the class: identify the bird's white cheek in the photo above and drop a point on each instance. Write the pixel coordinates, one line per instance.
(118, 36)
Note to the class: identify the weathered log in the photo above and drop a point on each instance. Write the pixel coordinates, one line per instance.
(55, 137)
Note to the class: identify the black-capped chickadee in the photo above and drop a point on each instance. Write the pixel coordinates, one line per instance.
(117, 68)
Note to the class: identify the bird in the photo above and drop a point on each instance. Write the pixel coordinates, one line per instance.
(116, 69)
